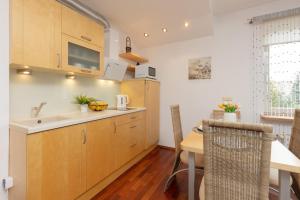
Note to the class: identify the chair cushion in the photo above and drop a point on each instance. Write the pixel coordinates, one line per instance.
(274, 177)
(198, 159)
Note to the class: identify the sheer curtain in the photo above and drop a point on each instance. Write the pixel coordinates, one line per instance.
(276, 73)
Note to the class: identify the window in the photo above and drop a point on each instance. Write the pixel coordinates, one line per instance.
(283, 79)
(276, 78)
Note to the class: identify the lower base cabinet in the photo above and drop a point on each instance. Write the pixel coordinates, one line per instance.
(55, 164)
(64, 163)
(99, 151)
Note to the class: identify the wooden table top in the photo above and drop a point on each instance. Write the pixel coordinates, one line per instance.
(281, 157)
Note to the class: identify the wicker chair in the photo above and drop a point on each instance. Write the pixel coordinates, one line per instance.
(295, 148)
(236, 161)
(180, 155)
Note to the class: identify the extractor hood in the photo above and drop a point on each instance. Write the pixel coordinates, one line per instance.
(114, 69)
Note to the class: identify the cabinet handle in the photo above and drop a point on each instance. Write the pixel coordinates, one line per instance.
(84, 136)
(115, 126)
(133, 127)
(86, 71)
(86, 38)
(58, 60)
(133, 145)
(132, 117)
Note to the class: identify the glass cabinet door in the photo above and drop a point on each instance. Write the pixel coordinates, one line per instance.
(82, 57)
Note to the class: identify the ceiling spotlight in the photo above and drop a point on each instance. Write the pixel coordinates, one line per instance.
(24, 71)
(186, 24)
(146, 34)
(164, 30)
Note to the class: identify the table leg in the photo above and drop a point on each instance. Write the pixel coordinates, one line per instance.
(284, 185)
(191, 185)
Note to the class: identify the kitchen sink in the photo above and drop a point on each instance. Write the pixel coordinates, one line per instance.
(127, 109)
(40, 121)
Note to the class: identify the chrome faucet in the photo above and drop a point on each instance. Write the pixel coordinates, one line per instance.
(36, 110)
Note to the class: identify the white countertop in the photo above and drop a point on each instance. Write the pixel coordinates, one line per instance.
(70, 119)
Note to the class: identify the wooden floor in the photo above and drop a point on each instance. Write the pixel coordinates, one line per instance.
(145, 181)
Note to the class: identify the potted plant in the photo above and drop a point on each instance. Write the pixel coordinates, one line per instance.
(83, 101)
(229, 111)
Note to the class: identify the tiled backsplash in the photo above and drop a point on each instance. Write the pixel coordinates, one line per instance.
(59, 92)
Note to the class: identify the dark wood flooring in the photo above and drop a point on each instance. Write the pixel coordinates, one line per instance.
(146, 179)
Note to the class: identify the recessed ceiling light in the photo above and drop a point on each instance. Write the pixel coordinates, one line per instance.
(164, 30)
(186, 24)
(146, 34)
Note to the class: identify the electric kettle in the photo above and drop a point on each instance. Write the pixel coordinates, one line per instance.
(122, 101)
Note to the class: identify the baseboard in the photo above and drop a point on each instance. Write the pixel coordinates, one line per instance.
(108, 180)
(166, 147)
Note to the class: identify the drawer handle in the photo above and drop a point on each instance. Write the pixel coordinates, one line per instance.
(86, 38)
(133, 127)
(132, 117)
(86, 71)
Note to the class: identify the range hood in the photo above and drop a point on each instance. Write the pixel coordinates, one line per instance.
(114, 69)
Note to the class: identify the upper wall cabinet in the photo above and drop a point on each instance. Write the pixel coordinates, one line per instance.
(47, 34)
(76, 25)
(36, 33)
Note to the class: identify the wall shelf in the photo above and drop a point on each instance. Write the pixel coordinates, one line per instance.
(133, 57)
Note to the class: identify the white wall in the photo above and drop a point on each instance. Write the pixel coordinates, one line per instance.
(4, 83)
(59, 92)
(231, 50)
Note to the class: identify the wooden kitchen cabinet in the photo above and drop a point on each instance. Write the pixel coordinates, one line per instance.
(129, 139)
(100, 160)
(84, 29)
(81, 57)
(145, 93)
(56, 164)
(71, 162)
(36, 33)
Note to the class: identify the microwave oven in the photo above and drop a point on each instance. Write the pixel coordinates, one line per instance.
(145, 71)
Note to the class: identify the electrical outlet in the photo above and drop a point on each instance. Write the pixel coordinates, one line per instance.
(7, 183)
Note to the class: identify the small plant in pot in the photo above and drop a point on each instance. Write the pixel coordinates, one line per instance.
(83, 101)
(230, 111)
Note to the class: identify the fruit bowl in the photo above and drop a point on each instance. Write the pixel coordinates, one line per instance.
(98, 105)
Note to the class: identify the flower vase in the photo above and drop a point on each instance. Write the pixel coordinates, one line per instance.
(230, 117)
(84, 108)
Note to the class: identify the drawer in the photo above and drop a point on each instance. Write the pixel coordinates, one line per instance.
(124, 119)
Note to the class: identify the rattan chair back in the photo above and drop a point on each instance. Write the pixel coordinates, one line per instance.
(236, 160)
(177, 129)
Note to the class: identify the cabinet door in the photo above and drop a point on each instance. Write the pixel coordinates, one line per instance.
(84, 29)
(152, 113)
(99, 150)
(135, 89)
(81, 57)
(16, 31)
(42, 33)
(56, 164)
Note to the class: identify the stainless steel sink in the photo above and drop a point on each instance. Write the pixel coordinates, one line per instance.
(40, 121)
(127, 109)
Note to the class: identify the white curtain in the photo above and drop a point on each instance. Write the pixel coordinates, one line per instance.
(276, 67)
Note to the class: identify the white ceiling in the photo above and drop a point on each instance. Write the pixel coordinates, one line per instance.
(135, 17)
(225, 6)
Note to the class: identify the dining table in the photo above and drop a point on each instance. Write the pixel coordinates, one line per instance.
(281, 158)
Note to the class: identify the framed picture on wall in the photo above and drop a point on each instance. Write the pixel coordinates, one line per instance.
(199, 68)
